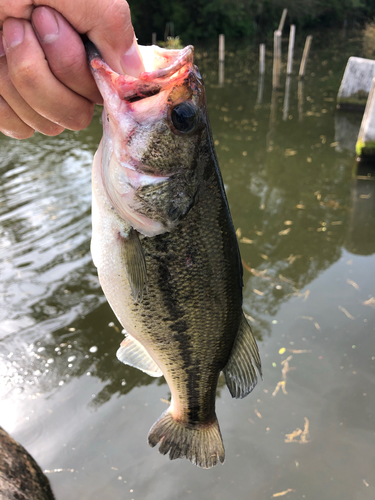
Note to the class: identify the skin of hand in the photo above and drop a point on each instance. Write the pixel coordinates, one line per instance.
(45, 82)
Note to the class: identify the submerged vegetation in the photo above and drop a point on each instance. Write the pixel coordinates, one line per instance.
(204, 19)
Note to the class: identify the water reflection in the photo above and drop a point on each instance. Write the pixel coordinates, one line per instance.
(300, 100)
(260, 89)
(286, 97)
(360, 238)
(221, 73)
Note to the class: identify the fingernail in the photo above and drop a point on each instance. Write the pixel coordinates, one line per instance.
(131, 61)
(14, 32)
(2, 50)
(45, 24)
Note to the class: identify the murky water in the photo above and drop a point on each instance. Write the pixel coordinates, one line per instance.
(305, 219)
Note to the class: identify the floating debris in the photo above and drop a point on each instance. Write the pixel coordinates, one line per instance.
(305, 295)
(257, 413)
(282, 493)
(284, 231)
(303, 435)
(112, 325)
(258, 292)
(347, 313)
(246, 240)
(286, 280)
(239, 232)
(290, 152)
(370, 302)
(353, 283)
(292, 258)
(250, 318)
(277, 388)
(299, 351)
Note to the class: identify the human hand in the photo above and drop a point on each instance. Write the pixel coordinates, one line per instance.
(45, 81)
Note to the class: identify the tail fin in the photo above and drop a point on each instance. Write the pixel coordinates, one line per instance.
(202, 445)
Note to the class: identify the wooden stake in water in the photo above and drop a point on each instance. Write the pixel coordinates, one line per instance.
(262, 57)
(276, 59)
(305, 56)
(289, 68)
(153, 38)
(282, 20)
(221, 48)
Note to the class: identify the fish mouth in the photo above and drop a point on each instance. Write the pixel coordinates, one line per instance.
(163, 69)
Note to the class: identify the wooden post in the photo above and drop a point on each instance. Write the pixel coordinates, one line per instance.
(292, 34)
(276, 58)
(282, 20)
(262, 54)
(166, 32)
(153, 38)
(221, 48)
(305, 56)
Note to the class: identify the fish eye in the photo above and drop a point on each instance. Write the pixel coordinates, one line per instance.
(184, 117)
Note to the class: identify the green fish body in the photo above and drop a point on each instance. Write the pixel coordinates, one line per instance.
(166, 250)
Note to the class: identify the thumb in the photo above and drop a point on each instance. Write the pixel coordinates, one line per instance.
(108, 25)
(112, 32)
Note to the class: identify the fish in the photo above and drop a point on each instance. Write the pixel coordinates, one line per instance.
(165, 248)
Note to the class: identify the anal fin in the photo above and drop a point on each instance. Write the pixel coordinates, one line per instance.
(135, 264)
(132, 353)
(239, 373)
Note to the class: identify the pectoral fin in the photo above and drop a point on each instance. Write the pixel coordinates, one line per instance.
(239, 373)
(135, 264)
(132, 353)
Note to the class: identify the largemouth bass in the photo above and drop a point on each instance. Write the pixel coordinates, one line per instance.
(165, 247)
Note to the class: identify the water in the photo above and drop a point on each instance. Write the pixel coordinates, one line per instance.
(304, 217)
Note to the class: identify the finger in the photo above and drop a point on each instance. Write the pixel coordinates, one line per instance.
(65, 52)
(32, 77)
(11, 124)
(108, 24)
(20, 107)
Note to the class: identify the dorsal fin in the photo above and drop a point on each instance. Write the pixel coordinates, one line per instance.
(240, 374)
(132, 353)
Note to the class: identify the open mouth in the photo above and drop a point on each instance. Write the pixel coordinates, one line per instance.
(163, 67)
(143, 95)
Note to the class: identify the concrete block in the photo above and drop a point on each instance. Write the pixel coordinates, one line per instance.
(365, 147)
(356, 83)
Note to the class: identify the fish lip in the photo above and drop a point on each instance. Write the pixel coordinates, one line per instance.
(149, 83)
(183, 57)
